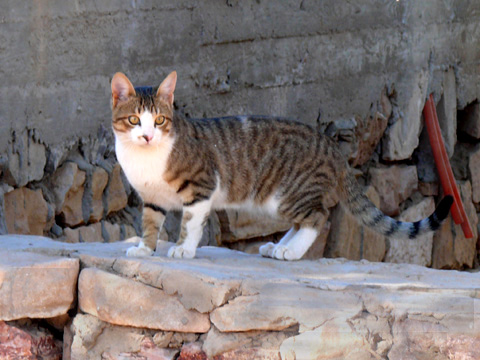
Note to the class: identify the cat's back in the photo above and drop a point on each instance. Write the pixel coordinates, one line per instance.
(253, 132)
(254, 154)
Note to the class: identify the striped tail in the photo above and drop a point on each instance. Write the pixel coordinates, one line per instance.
(365, 211)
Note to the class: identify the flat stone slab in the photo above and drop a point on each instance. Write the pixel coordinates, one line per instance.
(126, 302)
(46, 246)
(330, 308)
(35, 285)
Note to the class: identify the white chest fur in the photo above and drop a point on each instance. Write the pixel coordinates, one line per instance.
(144, 167)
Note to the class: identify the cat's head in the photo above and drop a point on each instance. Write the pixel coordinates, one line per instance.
(142, 115)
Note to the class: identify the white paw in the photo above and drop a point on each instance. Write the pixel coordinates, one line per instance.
(139, 251)
(181, 252)
(282, 252)
(277, 251)
(267, 249)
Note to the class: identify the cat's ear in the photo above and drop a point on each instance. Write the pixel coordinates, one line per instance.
(122, 88)
(167, 87)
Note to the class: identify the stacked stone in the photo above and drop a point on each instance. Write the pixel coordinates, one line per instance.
(226, 305)
(65, 196)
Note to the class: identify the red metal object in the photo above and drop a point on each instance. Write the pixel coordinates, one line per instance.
(443, 166)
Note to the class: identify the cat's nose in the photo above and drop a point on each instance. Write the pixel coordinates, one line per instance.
(148, 138)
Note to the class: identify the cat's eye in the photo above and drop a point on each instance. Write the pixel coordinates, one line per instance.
(134, 120)
(160, 120)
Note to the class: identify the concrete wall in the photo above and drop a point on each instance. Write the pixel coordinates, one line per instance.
(288, 58)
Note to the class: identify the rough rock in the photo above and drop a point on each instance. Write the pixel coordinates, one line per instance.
(173, 340)
(325, 343)
(426, 168)
(128, 231)
(469, 120)
(146, 353)
(401, 138)
(36, 286)
(428, 188)
(245, 345)
(99, 182)
(451, 250)
(351, 240)
(117, 197)
(45, 246)
(474, 168)
(431, 341)
(201, 293)
(460, 160)
(192, 351)
(62, 181)
(3, 223)
(26, 160)
(27, 342)
(91, 338)
(269, 311)
(239, 225)
(418, 251)
(379, 331)
(369, 132)
(360, 309)
(112, 232)
(89, 233)
(394, 184)
(59, 322)
(385, 104)
(26, 212)
(68, 190)
(109, 297)
(447, 112)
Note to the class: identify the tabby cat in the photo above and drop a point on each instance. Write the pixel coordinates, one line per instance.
(283, 168)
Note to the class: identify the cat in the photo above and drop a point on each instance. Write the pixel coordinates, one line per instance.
(282, 168)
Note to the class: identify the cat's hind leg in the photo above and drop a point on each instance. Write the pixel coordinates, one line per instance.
(193, 221)
(297, 246)
(303, 239)
(268, 249)
(153, 218)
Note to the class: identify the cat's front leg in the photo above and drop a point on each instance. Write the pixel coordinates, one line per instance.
(193, 221)
(153, 218)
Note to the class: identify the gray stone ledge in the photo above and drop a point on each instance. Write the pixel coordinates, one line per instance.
(231, 292)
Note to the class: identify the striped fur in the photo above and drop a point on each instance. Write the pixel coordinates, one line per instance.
(369, 215)
(281, 167)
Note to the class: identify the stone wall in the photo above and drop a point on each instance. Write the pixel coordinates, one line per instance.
(225, 305)
(359, 71)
